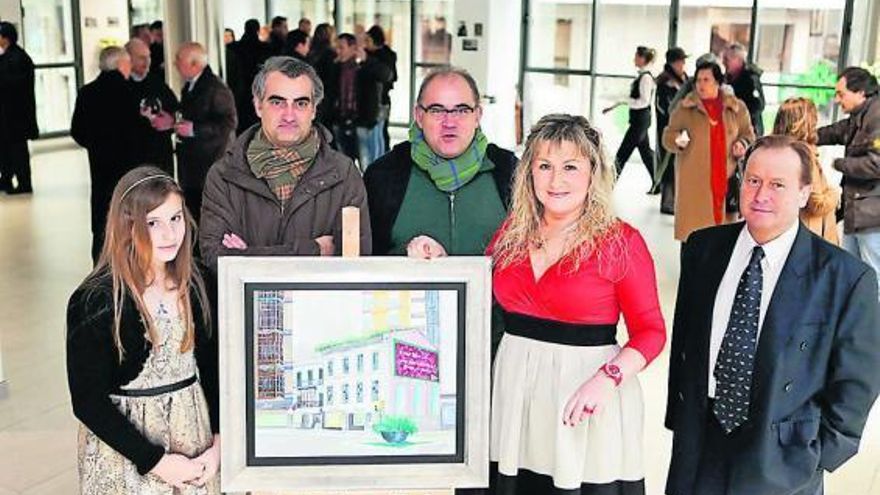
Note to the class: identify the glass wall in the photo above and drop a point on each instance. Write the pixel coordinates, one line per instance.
(317, 11)
(796, 44)
(145, 11)
(47, 35)
(394, 18)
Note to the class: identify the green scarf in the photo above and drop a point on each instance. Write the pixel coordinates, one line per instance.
(281, 167)
(449, 174)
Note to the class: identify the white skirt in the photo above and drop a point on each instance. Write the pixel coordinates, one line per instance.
(533, 380)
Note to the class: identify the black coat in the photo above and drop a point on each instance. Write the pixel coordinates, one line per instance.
(94, 370)
(387, 180)
(250, 53)
(18, 107)
(104, 120)
(325, 66)
(815, 375)
(211, 107)
(152, 146)
(748, 88)
(387, 56)
(372, 76)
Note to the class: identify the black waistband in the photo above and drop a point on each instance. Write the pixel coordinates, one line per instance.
(559, 332)
(164, 389)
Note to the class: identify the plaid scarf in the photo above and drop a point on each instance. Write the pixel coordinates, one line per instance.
(449, 174)
(281, 167)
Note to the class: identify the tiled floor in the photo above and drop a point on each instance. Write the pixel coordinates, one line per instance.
(44, 245)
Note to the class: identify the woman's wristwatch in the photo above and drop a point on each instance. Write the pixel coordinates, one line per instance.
(612, 371)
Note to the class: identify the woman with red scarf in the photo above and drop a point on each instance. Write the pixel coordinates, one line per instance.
(708, 132)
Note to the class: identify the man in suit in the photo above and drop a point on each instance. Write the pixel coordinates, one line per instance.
(775, 344)
(104, 120)
(157, 105)
(207, 123)
(18, 112)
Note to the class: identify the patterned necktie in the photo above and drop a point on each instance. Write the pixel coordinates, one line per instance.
(733, 370)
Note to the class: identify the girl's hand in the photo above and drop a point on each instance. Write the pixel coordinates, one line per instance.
(210, 459)
(177, 470)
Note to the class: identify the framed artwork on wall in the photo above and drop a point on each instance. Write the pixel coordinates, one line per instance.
(361, 373)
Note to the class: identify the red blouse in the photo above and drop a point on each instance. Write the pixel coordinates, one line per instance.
(623, 281)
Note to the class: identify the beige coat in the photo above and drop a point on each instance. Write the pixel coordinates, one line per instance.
(693, 200)
(819, 214)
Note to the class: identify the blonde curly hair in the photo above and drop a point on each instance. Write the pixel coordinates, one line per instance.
(597, 222)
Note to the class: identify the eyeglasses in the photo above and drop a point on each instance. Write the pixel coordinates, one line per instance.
(439, 111)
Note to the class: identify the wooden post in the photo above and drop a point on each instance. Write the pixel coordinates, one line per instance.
(351, 248)
(351, 232)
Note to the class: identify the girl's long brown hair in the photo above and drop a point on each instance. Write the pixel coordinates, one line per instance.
(597, 222)
(127, 254)
(798, 118)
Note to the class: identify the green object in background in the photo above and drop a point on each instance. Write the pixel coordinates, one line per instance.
(822, 73)
(621, 118)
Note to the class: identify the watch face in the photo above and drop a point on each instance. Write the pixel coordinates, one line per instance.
(613, 369)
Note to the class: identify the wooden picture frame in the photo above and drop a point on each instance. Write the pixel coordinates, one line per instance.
(407, 339)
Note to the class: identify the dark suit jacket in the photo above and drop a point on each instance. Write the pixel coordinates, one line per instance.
(815, 375)
(151, 146)
(211, 107)
(18, 107)
(103, 122)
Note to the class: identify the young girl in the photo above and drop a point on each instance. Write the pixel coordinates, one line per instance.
(141, 359)
(797, 117)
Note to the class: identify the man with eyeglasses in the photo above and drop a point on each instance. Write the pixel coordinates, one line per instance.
(447, 189)
(280, 188)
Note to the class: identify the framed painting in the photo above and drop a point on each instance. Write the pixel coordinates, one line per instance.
(350, 374)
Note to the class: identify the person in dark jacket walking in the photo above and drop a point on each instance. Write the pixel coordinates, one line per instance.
(18, 112)
(104, 119)
(745, 78)
(280, 188)
(377, 48)
(668, 83)
(157, 104)
(641, 94)
(857, 95)
(206, 125)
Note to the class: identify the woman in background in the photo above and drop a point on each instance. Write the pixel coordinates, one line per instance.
(798, 118)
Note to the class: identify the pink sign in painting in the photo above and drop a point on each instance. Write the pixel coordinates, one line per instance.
(415, 362)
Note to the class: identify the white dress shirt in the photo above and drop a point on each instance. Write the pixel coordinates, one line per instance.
(646, 93)
(775, 254)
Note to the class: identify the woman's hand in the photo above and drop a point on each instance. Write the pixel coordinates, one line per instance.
(424, 247)
(177, 470)
(587, 399)
(210, 459)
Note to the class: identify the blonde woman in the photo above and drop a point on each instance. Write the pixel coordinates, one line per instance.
(141, 362)
(566, 404)
(798, 118)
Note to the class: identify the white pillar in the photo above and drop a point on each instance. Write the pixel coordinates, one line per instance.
(4, 385)
(492, 58)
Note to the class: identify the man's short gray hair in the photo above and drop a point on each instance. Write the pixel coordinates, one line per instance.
(109, 58)
(450, 71)
(291, 68)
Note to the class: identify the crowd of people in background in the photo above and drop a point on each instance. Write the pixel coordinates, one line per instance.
(358, 71)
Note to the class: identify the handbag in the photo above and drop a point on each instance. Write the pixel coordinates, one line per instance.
(734, 182)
